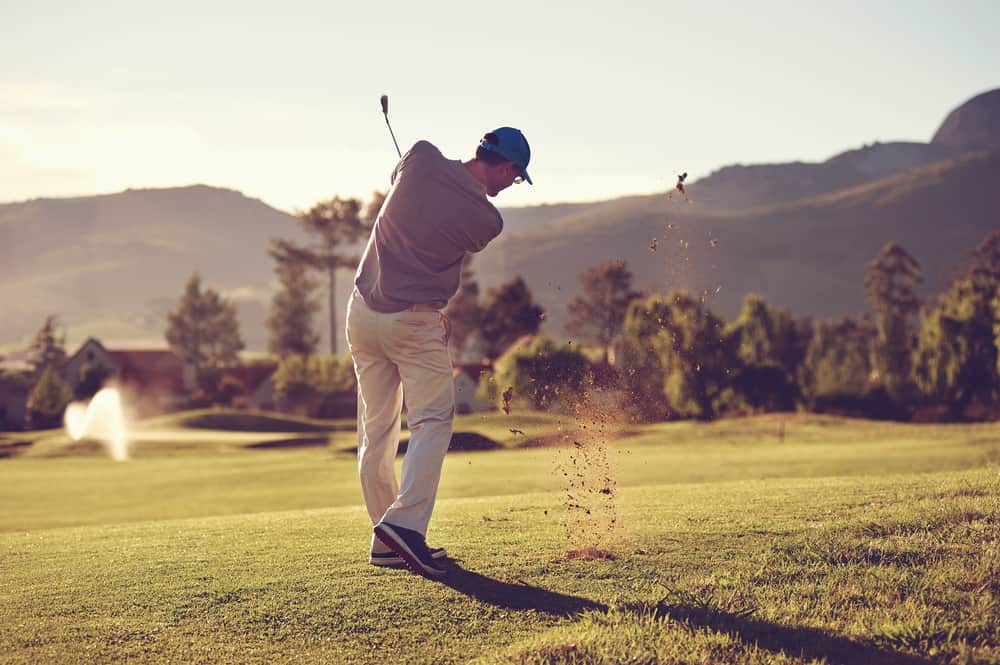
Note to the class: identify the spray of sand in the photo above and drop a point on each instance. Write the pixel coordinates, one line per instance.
(102, 419)
(589, 478)
(591, 521)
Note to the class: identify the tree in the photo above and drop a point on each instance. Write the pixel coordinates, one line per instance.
(938, 356)
(792, 354)
(769, 335)
(19, 383)
(373, 208)
(464, 310)
(640, 363)
(598, 314)
(956, 357)
(509, 313)
(770, 345)
(203, 332)
(699, 358)
(891, 283)
(985, 260)
(292, 309)
(48, 399)
(695, 357)
(838, 361)
(335, 224)
(49, 345)
(996, 327)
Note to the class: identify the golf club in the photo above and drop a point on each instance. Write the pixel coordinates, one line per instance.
(385, 112)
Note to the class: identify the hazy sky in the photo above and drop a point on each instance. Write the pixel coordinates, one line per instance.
(280, 99)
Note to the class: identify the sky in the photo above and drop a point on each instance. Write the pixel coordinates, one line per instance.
(279, 100)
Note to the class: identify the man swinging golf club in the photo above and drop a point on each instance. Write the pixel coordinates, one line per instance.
(435, 211)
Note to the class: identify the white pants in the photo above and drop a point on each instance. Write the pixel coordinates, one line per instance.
(396, 357)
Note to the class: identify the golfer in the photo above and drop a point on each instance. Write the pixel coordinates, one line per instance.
(436, 211)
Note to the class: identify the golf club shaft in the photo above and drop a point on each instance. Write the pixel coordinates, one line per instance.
(393, 135)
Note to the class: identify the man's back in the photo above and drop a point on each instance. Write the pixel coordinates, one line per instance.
(435, 212)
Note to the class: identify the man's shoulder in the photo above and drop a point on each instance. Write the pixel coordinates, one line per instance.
(422, 157)
(424, 147)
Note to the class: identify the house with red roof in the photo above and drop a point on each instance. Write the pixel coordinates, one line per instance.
(153, 381)
(156, 381)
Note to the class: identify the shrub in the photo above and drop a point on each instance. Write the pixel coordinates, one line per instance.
(544, 376)
(315, 384)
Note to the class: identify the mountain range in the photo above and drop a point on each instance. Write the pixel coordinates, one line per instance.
(799, 234)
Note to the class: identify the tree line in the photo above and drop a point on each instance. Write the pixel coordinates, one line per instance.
(933, 359)
(673, 356)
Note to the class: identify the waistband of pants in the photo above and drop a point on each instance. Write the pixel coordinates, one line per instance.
(423, 307)
(416, 307)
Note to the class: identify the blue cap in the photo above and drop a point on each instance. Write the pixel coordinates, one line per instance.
(512, 146)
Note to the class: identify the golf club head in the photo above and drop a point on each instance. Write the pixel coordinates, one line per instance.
(385, 104)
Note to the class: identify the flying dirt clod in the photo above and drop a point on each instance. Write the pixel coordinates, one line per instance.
(507, 394)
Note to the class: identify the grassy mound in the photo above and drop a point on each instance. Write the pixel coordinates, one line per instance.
(460, 442)
(245, 421)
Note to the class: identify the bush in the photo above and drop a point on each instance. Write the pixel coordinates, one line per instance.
(544, 376)
(487, 391)
(932, 413)
(875, 404)
(229, 389)
(766, 388)
(315, 385)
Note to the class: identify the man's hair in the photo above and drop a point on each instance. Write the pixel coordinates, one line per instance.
(488, 156)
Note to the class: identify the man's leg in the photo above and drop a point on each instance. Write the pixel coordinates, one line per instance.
(418, 345)
(380, 400)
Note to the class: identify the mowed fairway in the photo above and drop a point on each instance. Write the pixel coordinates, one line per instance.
(839, 541)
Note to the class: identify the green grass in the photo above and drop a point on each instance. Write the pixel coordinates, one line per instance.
(842, 542)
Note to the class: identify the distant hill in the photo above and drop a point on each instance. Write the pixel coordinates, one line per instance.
(115, 264)
(741, 187)
(973, 125)
(800, 234)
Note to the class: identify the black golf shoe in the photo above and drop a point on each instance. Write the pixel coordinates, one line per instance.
(411, 548)
(393, 560)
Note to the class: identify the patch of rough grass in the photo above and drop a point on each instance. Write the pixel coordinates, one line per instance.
(591, 554)
(669, 633)
(832, 551)
(920, 585)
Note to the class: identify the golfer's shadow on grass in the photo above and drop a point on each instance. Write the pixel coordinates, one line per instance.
(515, 596)
(793, 641)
